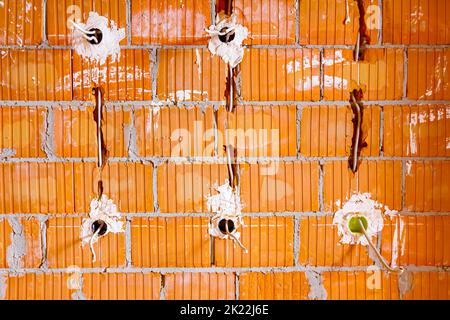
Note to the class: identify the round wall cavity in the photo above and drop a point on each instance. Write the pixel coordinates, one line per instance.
(98, 35)
(228, 37)
(101, 226)
(226, 226)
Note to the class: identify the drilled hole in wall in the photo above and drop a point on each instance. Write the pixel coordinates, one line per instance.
(98, 35)
(99, 224)
(224, 223)
(228, 37)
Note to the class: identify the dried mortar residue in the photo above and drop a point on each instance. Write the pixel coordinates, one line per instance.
(316, 289)
(18, 248)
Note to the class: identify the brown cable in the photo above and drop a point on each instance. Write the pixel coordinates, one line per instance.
(380, 257)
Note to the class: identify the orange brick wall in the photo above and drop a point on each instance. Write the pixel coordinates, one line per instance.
(164, 129)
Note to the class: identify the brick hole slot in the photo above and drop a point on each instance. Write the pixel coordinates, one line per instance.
(100, 227)
(226, 226)
(96, 36)
(228, 36)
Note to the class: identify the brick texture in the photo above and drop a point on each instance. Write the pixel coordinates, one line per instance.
(359, 285)
(21, 22)
(168, 22)
(405, 22)
(14, 230)
(126, 79)
(165, 124)
(65, 249)
(259, 131)
(326, 131)
(273, 286)
(263, 251)
(190, 75)
(41, 286)
(177, 132)
(121, 286)
(280, 186)
(427, 286)
(183, 187)
(427, 175)
(416, 240)
(281, 75)
(37, 74)
(320, 246)
(277, 27)
(382, 179)
(170, 242)
(380, 75)
(76, 131)
(21, 131)
(200, 286)
(321, 22)
(428, 78)
(61, 187)
(59, 29)
(421, 131)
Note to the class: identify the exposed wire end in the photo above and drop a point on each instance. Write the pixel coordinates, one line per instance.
(85, 33)
(91, 243)
(347, 13)
(236, 240)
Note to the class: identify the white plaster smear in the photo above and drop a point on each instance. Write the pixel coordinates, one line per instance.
(360, 205)
(109, 46)
(105, 210)
(225, 204)
(231, 52)
(186, 95)
(7, 153)
(398, 232)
